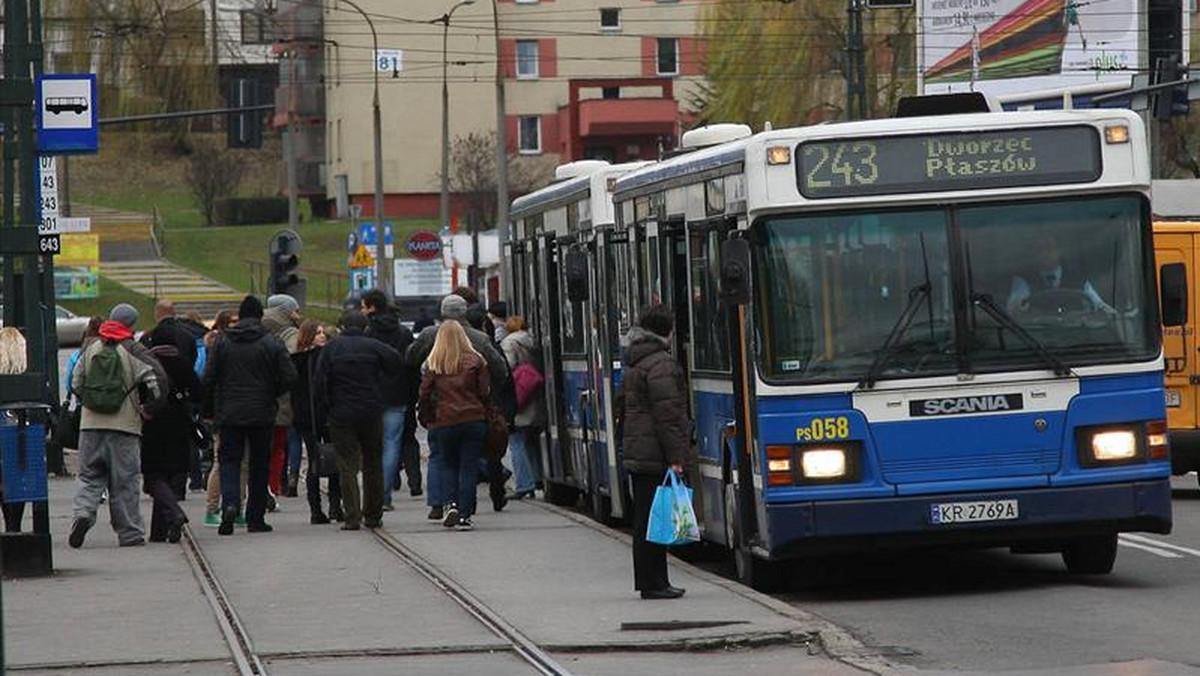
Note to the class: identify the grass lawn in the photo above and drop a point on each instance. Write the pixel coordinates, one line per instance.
(112, 293)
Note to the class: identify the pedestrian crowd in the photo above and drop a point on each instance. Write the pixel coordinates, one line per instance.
(251, 397)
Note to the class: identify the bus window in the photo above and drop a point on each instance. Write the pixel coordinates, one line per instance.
(572, 314)
(710, 335)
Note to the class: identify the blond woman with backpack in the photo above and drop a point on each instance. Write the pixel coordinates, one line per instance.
(119, 383)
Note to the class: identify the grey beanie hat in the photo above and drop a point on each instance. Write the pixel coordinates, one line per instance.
(125, 314)
(283, 300)
(454, 307)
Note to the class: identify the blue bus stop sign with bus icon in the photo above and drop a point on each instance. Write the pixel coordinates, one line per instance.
(67, 114)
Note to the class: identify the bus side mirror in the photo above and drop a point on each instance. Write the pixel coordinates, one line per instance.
(1172, 280)
(735, 271)
(577, 276)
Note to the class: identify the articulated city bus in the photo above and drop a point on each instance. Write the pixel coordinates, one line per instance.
(578, 449)
(911, 331)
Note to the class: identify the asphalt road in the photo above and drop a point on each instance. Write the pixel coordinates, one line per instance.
(992, 610)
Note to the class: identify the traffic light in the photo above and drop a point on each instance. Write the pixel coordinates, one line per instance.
(1167, 70)
(285, 265)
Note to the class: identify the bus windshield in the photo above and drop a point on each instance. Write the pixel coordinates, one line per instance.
(1010, 286)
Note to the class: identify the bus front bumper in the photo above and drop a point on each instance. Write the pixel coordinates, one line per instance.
(1045, 515)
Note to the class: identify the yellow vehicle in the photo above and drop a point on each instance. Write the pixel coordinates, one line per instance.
(1176, 206)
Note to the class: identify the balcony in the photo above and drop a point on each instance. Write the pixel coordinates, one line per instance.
(627, 117)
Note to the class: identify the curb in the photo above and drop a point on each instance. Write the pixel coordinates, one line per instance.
(836, 642)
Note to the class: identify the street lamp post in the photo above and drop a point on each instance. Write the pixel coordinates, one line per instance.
(501, 159)
(444, 204)
(381, 267)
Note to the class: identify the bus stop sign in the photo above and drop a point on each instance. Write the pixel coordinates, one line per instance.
(67, 115)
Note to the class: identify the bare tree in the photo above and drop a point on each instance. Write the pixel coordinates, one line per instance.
(473, 177)
(213, 175)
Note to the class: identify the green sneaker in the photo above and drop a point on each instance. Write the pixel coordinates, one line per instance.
(240, 521)
(212, 519)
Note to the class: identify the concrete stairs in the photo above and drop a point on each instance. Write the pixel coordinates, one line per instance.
(159, 278)
(124, 235)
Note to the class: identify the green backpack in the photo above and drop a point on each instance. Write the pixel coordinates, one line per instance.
(104, 381)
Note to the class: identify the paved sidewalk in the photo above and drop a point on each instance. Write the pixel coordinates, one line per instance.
(316, 600)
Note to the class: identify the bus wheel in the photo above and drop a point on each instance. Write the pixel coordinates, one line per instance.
(1093, 555)
(563, 496)
(759, 574)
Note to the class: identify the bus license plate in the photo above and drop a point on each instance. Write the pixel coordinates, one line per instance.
(968, 512)
(1174, 400)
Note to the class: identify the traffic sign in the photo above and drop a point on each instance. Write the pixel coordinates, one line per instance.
(362, 259)
(67, 114)
(49, 240)
(389, 60)
(424, 245)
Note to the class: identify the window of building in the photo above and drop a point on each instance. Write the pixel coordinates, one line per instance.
(255, 29)
(611, 92)
(529, 134)
(527, 59)
(610, 18)
(668, 56)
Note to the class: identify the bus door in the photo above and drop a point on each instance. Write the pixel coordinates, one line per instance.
(1179, 343)
(673, 253)
(611, 317)
(557, 467)
(575, 382)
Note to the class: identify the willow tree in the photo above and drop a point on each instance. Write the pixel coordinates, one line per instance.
(150, 56)
(785, 62)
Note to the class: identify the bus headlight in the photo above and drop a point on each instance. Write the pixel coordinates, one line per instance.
(1114, 445)
(823, 464)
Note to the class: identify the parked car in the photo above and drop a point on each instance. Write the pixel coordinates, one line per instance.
(69, 326)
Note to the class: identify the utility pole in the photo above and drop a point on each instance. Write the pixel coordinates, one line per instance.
(212, 6)
(501, 162)
(444, 202)
(856, 71)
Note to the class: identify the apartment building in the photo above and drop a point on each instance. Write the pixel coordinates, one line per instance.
(608, 79)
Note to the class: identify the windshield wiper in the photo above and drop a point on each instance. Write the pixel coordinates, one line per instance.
(1001, 316)
(891, 345)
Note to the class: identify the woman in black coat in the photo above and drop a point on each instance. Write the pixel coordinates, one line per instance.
(310, 423)
(167, 436)
(656, 434)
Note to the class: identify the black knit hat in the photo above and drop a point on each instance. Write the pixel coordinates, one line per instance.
(251, 308)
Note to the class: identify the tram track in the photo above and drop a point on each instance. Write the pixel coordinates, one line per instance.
(524, 647)
(245, 659)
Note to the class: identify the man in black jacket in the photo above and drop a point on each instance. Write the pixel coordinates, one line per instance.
(248, 370)
(398, 391)
(351, 376)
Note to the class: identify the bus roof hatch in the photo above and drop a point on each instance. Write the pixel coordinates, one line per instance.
(945, 104)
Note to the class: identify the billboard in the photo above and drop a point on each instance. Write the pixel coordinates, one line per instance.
(77, 268)
(1006, 47)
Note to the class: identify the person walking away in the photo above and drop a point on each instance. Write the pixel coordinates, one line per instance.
(385, 327)
(423, 321)
(194, 323)
(13, 360)
(310, 421)
(454, 398)
(92, 331)
(454, 308)
(248, 370)
(167, 437)
(116, 387)
(518, 347)
(212, 498)
(656, 437)
(282, 320)
(350, 379)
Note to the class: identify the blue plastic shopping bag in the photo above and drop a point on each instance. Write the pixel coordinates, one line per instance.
(672, 518)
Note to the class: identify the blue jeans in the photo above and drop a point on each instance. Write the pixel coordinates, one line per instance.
(393, 434)
(435, 489)
(295, 449)
(461, 447)
(523, 468)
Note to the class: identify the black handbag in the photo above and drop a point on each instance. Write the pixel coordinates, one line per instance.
(66, 430)
(325, 453)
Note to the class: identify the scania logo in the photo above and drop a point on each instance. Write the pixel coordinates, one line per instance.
(985, 403)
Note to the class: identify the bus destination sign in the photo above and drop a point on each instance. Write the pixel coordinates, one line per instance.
(890, 165)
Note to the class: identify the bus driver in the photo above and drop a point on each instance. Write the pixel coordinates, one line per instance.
(1049, 274)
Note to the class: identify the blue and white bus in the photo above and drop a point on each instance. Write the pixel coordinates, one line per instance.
(911, 331)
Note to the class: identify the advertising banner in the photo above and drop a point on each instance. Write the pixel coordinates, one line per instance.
(1005, 47)
(77, 268)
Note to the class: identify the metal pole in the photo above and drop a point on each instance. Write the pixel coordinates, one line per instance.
(212, 6)
(289, 139)
(444, 203)
(501, 161)
(381, 263)
(856, 81)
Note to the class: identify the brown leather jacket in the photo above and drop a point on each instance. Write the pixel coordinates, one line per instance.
(447, 400)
